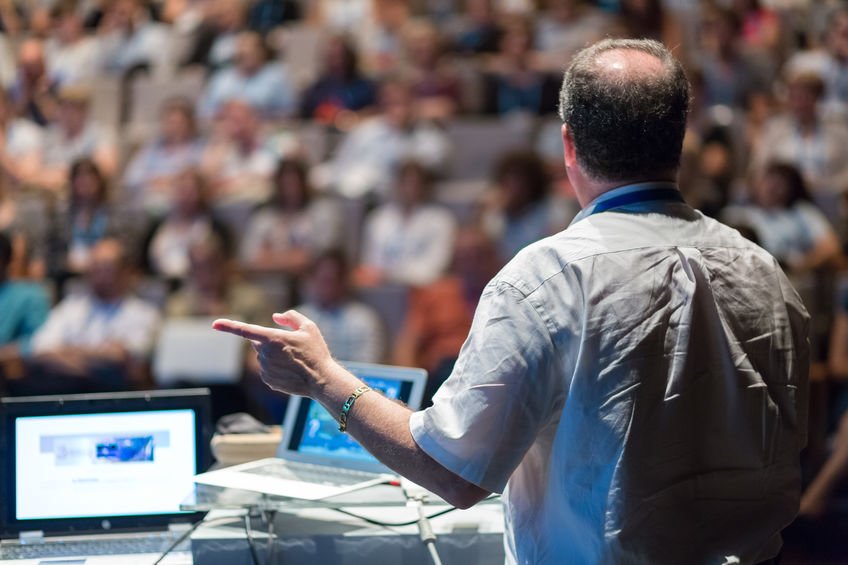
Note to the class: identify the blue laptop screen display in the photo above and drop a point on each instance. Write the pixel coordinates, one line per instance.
(317, 432)
(103, 464)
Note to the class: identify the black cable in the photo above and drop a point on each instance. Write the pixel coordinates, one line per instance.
(253, 555)
(392, 524)
(186, 534)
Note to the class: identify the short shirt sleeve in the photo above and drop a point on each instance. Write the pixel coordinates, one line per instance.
(487, 415)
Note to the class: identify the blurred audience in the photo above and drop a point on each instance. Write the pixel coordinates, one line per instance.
(166, 246)
(787, 224)
(32, 93)
(351, 329)
(439, 316)
(803, 137)
(253, 78)
(24, 305)
(368, 156)
(100, 339)
(131, 41)
(519, 211)
(515, 80)
(72, 136)
(341, 86)
(286, 233)
(476, 31)
(238, 160)
(70, 55)
(85, 219)
(407, 240)
(149, 177)
(433, 80)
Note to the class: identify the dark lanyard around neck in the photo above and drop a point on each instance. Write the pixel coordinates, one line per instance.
(638, 197)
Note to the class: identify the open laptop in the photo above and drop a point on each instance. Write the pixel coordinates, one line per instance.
(114, 467)
(315, 460)
(187, 352)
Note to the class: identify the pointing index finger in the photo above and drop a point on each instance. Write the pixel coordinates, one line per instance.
(247, 331)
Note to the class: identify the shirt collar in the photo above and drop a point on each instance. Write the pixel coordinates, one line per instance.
(589, 209)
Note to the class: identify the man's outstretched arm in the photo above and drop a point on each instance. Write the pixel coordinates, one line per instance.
(297, 361)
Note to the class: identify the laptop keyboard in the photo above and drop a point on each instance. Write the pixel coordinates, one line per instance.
(153, 543)
(318, 474)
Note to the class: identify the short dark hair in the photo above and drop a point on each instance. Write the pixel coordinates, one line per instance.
(628, 127)
(795, 185)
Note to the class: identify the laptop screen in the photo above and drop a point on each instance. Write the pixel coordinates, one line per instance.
(88, 462)
(315, 433)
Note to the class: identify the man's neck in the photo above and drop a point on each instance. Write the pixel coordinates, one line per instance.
(594, 189)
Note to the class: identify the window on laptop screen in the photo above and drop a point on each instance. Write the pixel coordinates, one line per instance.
(317, 432)
(103, 464)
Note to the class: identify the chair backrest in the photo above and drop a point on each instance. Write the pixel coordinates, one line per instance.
(477, 144)
(391, 302)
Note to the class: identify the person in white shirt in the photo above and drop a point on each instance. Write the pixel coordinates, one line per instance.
(353, 330)
(635, 385)
(97, 340)
(70, 54)
(253, 78)
(408, 240)
(129, 40)
(368, 156)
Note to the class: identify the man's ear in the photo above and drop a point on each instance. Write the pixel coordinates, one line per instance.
(569, 155)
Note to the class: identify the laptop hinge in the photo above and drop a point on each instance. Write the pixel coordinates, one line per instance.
(179, 527)
(32, 536)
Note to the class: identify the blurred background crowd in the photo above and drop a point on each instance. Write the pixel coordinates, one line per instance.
(373, 163)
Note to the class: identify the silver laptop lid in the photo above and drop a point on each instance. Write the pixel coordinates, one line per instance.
(311, 434)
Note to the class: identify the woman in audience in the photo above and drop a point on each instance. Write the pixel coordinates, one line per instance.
(87, 219)
(408, 240)
(520, 211)
(190, 220)
(787, 224)
(150, 175)
(341, 87)
(287, 232)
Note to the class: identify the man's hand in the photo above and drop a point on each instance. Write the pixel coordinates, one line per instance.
(294, 360)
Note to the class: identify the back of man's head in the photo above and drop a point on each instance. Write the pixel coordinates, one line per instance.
(625, 104)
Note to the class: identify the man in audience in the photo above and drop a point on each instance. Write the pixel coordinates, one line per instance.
(71, 55)
(366, 159)
(32, 93)
(24, 308)
(253, 78)
(97, 340)
(130, 40)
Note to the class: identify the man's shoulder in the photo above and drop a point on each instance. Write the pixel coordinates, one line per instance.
(629, 236)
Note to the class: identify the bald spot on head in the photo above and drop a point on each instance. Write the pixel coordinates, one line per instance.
(627, 65)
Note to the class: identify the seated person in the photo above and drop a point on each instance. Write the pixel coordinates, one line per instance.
(86, 219)
(787, 224)
(440, 314)
(177, 147)
(352, 330)
(238, 160)
(166, 246)
(24, 306)
(212, 288)
(285, 234)
(98, 340)
(73, 136)
(368, 156)
(129, 39)
(408, 240)
(254, 78)
(434, 80)
(515, 80)
(340, 87)
(520, 210)
(70, 54)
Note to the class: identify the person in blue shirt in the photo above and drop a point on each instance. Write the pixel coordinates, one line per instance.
(24, 308)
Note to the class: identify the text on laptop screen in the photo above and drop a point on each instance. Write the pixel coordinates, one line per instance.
(317, 432)
(108, 464)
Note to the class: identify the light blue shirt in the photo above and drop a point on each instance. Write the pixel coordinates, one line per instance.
(269, 91)
(636, 387)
